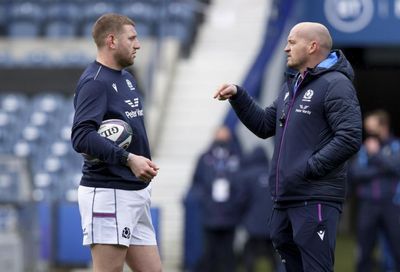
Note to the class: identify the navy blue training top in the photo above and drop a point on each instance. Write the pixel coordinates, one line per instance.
(103, 93)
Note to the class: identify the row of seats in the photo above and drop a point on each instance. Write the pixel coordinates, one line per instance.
(45, 59)
(38, 129)
(68, 18)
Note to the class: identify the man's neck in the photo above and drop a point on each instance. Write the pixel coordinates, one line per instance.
(108, 61)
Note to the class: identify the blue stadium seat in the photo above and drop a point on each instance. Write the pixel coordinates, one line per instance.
(144, 14)
(60, 29)
(91, 11)
(23, 149)
(61, 148)
(42, 180)
(76, 59)
(23, 29)
(8, 132)
(6, 60)
(9, 218)
(62, 19)
(94, 9)
(181, 20)
(53, 165)
(26, 10)
(16, 105)
(45, 186)
(37, 58)
(38, 138)
(3, 19)
(25, 19)
(73, 179)
(86, 29)
(40, 119)
(51, 103)
(9, 187)
(65, 10)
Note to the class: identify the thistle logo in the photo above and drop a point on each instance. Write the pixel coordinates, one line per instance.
(126, 233)
(130, 85)
(308, 95)
(349, 15)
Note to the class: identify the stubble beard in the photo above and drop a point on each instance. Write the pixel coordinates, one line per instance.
(123, 60)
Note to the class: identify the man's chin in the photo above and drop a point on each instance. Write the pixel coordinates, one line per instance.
(291, 66)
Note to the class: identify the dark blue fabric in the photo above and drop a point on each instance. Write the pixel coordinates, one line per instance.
(193, 230)
(103, 93)
(219, 253)
(254, 178)
(374, 219)
(316, 132)
(305, 237)
(377, 177)
(376, 181)
(210, 167)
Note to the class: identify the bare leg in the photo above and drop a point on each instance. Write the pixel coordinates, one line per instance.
(108, 258)
(144, 259)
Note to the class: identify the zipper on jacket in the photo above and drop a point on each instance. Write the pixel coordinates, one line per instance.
(295, 93)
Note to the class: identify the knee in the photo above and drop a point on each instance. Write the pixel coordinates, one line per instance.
(108, 268)
(156, 269)
(151, 269)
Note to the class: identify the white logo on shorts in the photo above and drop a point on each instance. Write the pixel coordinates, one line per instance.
(126, 233)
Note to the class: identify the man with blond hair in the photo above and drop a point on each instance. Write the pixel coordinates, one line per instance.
(114, 192)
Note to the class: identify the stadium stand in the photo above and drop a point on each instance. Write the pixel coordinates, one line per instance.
(35, 124)
(68, 19)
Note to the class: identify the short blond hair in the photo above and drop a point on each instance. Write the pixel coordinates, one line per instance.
(107, 24)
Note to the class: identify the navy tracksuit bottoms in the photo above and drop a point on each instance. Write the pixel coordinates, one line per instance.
(305, 236)
(374, 217)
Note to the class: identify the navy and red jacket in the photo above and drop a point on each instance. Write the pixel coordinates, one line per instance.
(317, 126)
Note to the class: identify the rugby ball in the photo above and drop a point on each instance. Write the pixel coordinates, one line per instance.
(115, 130)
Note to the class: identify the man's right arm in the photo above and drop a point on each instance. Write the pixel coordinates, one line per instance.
(262, 122)
(90, 109)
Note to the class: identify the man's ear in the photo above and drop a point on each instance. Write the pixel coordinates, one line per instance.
(313, 47)
(111, 41)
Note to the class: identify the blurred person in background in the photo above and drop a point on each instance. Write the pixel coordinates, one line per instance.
(114, 194)
(221, 202)
(317, 124)
(254, 178)
(375, 173)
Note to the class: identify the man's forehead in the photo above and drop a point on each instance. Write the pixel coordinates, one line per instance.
(129, 29)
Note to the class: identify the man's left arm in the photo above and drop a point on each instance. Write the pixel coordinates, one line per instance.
(343, 114)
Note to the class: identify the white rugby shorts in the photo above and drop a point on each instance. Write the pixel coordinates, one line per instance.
(117, 217)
